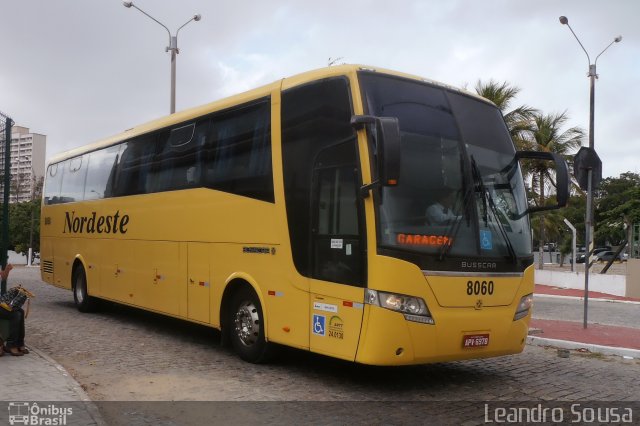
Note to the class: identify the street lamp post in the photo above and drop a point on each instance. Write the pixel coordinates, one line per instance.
(173, 48)
(34, 182)
(589, 216)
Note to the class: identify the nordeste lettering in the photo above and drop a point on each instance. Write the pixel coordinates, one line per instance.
(96, 224)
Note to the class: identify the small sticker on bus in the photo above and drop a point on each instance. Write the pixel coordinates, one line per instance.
(336, 327)
(318, 325)
(325, 307)
(336, 243)
(486, 242)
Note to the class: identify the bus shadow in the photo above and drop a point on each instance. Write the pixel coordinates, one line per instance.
(177, 329)
(404, 381)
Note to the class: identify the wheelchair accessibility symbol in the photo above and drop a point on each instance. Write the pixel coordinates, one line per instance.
(485, 240)
(319, 325)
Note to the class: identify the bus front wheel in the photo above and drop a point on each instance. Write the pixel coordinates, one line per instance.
(246, 325)
(84, 302)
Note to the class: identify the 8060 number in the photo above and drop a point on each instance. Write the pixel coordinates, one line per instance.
(478, 287)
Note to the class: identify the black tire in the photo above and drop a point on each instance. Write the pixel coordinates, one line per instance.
(246, 327)
(84, 302)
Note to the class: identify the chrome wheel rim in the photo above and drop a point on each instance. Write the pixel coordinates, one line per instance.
(79, 295)
(247, 323)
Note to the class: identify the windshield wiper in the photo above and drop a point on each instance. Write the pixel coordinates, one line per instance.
(486, 199)
(454, 226)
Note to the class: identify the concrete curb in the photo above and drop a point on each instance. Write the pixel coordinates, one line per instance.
(75, 385)
(591, 299)
(90, 407)
(599, 349)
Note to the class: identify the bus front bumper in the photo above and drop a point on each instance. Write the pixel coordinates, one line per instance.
(458, 334)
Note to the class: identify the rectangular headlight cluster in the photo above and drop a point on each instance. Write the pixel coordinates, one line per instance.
(523, 307)
(413, 308)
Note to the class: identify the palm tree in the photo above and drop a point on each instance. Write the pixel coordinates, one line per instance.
(519, 119)
(548, 136)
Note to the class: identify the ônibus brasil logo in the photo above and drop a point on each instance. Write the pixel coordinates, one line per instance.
(27, 413)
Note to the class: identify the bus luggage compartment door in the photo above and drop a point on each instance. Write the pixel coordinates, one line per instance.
(199, 283)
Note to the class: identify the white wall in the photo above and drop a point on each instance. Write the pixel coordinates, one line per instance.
(603, 283)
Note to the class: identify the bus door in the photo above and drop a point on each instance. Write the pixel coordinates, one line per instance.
(337, 284)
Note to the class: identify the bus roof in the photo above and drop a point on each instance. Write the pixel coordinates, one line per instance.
(248, 96)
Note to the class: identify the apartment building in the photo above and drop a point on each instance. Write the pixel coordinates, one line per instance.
(28, 151)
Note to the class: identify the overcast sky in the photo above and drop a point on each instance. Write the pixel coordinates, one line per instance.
(81, 70)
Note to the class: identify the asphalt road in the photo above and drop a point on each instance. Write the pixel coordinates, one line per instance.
(598, 311)
(138, 358)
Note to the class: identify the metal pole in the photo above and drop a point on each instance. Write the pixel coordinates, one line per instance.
(573, 243)
(174, 51)
(33, 196)
(30, 252)
(5, 205)
(589, 214)
(589, 218)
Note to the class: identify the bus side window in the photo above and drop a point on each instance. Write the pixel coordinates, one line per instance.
(238, 154)
(135, 163)
(178, 163)
(100, 173)
(53, 183)
(72, 188)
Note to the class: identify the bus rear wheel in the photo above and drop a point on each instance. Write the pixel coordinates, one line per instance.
(246, 327)
(84, 302)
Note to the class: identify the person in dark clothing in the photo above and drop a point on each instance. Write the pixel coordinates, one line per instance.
(14, 345)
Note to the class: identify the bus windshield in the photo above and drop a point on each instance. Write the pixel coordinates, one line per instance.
(460, 193)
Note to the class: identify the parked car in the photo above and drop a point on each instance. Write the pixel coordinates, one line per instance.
(580, 258)
(605, 256)
(600, 250)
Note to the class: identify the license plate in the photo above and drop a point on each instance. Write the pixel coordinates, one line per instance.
(475, 341)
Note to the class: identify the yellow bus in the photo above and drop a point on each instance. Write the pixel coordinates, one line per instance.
(354, 212)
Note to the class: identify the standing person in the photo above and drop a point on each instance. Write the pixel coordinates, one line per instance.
(14, 345)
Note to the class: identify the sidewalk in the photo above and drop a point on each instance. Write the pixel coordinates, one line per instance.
(36, 382)
(596, 338)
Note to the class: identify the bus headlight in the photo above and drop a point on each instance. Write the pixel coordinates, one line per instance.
(523, 307)
(413, 308)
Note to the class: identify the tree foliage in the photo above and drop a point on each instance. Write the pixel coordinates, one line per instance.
(617, 205)
(518, 119)
(24, 226)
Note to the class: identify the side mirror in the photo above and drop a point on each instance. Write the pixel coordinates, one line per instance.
(387, 140)
(562, 177)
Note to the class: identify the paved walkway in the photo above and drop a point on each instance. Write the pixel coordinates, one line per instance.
(37, 377)
(36, 382)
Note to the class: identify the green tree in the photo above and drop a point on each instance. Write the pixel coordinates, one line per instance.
(24, 226)
(617, 204)
(518, 119)
(548, 136)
